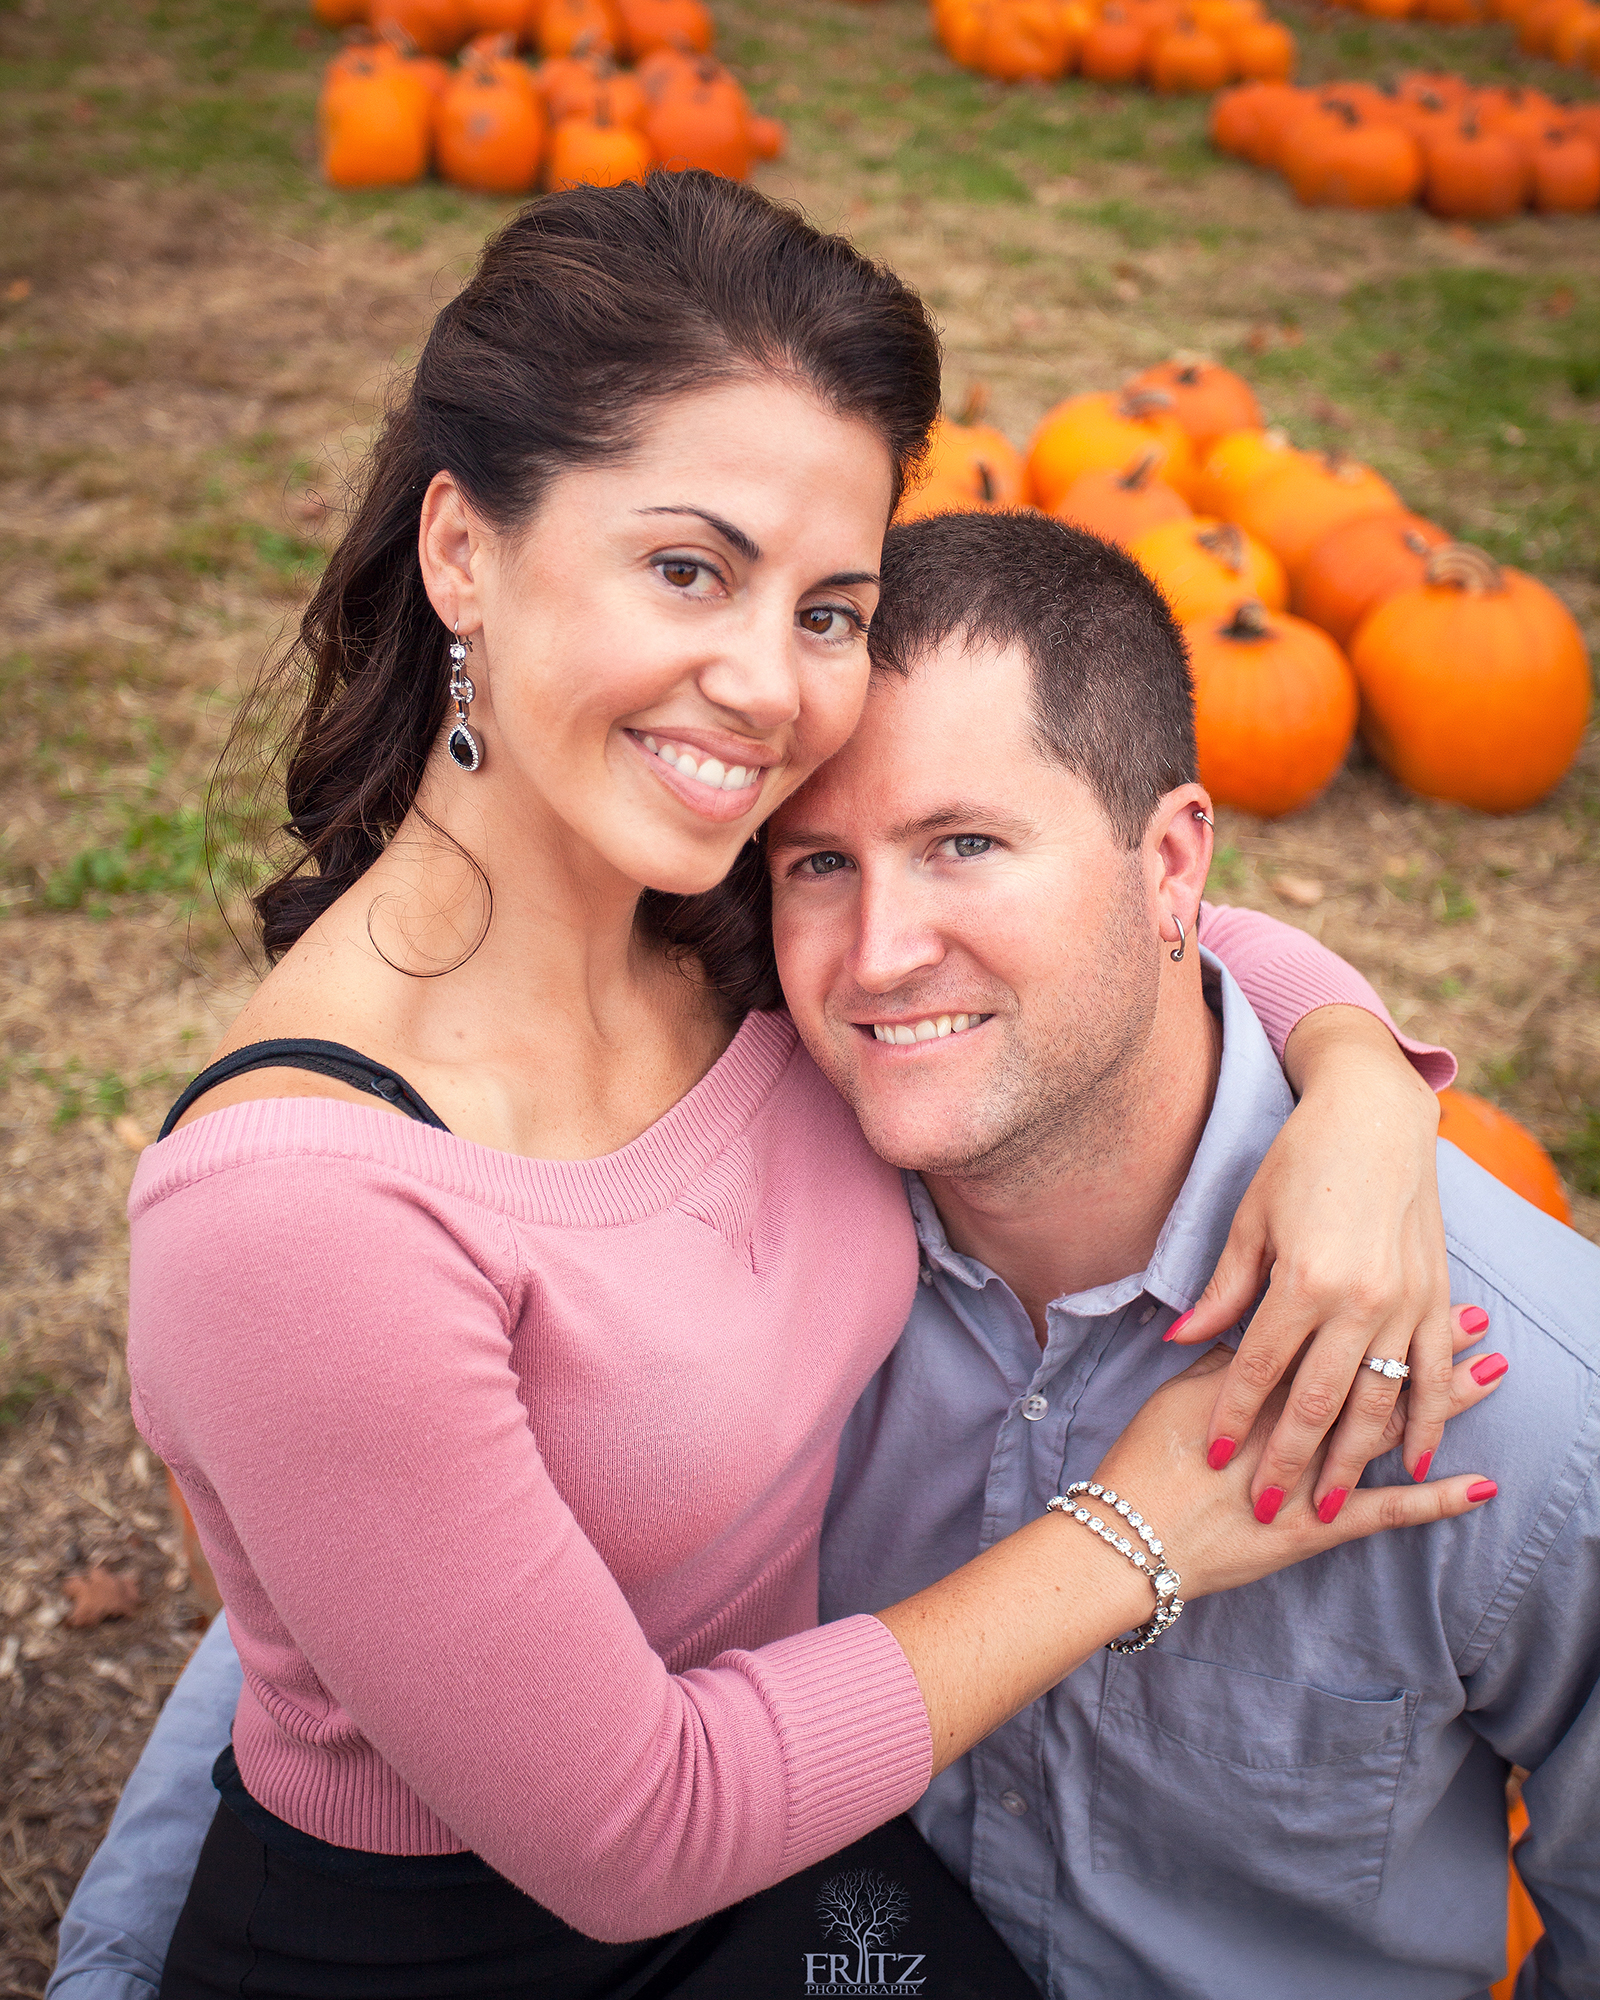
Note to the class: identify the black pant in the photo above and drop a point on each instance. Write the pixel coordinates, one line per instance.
(883, 1917)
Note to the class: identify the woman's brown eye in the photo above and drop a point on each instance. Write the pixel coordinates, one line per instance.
(818, 619)
(680, 573)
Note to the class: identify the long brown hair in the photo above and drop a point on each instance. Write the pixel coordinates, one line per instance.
(588, 309)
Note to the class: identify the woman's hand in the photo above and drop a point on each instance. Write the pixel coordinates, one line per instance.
(1343, 1219)
(1208, 1535)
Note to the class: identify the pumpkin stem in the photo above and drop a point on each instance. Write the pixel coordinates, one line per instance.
(977, 403)
(986, 485)
(1417, 544)
(1137, 476)
(1248, 623)
(1462, 566)
(1144, 402)
(1226, 542)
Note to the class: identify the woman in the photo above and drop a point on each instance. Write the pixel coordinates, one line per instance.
(506, 1403)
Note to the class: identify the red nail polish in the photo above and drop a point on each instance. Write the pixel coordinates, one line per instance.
(1489, 1369)
(1328, 1506)
(1423, 1463)
(1219, 1454)
(1178, 1325)
(1482, 1489)
(1473, 1319)
(1267, 1506)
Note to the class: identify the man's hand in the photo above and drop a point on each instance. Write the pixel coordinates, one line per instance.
(1342, 1225)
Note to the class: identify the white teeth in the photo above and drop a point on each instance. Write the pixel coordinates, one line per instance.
(713, 773)
(932, 1028)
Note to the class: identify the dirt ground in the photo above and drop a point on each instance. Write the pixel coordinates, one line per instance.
(189, 376)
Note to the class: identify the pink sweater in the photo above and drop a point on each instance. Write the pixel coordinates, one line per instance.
(511, 1471)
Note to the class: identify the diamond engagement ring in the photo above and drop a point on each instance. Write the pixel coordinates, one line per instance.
(1391, 1371)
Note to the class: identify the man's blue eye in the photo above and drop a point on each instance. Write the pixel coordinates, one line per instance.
(968, 844)
(825, 864)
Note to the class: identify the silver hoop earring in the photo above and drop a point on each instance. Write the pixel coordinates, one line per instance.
(466, 752)
(1183, 943)
(1206, 817)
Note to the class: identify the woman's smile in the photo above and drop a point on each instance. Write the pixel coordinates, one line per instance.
(715, 774)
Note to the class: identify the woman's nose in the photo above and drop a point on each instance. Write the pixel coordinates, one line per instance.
(755, 676)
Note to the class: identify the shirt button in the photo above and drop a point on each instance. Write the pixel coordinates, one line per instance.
(1014, 1803)
(1035, 1407)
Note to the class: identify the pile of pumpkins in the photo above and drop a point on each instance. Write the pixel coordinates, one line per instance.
(1172, 45)
(392, 104)
(1311, 600)
(1565, 31)
(1471, 155)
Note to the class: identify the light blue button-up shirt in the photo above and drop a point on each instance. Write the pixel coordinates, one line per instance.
(1298, 1793)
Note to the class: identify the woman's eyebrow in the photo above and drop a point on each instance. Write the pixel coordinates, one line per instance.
(736, 538)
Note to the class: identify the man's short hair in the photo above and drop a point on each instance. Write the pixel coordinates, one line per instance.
(1112, 696)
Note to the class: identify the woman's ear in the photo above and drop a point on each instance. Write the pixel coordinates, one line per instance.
(448, 543)
(1178, 844)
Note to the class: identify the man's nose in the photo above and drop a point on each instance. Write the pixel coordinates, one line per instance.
(895, 938)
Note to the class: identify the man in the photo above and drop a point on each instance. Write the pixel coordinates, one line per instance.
(1299, 1790)
(1009, 849)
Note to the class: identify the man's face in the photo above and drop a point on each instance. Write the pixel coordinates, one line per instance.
(938, 871)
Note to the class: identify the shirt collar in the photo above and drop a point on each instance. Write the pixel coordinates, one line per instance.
(1251, 1103)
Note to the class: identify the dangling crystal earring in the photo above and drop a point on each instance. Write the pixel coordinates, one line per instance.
(465, 750)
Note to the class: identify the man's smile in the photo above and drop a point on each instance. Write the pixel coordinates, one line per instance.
(923, 1028)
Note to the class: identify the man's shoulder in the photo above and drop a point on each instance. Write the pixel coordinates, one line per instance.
(1544, 1277)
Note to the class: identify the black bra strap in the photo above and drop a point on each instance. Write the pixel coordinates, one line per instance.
(326, 1059)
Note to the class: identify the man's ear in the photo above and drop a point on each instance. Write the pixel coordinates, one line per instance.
(1178, 845)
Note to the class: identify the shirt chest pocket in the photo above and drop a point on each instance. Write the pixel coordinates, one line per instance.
(1233, 1784)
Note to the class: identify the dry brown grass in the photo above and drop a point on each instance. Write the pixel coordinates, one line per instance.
(185, 384)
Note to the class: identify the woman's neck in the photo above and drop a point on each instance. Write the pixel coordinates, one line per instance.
(504, 978)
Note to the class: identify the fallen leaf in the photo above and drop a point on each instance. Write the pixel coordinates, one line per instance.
(131, 1133)
(20, 288)
(98, 1595)
(1463, 232)
(1258, 339)
(1026, 320)
(310, 508)
(1299, 890)
(1556, 306)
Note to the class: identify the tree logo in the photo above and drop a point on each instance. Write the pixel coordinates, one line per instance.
(864, 1910)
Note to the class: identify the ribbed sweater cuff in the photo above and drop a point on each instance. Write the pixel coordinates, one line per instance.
(1283, 994)
(853, 1728)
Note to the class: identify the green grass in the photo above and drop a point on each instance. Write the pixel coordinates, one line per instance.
(1579, 1157)
(23, 1394)
(156, 853)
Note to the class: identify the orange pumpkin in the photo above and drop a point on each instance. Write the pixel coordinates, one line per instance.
(1275, 708)
(340, 13)
(489, 132)
(1503, 1148)
(648, 25)
(970, 466)
(701, 119)
(768, 137)
(500, 17)
(1293, 508)
(1022, 41)
(1576, 34)
(1208, 400)
(1205, 568)
(1235, 463)
(1184, 57)
(1355, 567)
(578, 28)
(433, 27)
(1473, 175)
(373, 125)
(594, 152)
(1474, 685)
(1120, 506)
(1113, 50)
(1566, 172)
(1252, 119)
(1107, 431)
(1343, 160)
(1266, 50)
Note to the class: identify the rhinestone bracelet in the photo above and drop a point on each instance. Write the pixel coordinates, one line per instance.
(1165, 1582)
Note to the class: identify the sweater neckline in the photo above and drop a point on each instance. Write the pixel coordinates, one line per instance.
(639, 1179)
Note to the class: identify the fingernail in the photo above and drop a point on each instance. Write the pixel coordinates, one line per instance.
(1178, 1325)
(1423, 1463)
(1269, 1503)
(1473, 1319)
(1327, 1507)
(1219, 1454)
(1489, 1369)
(1482, 1489)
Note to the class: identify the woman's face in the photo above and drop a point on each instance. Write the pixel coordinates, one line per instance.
(677, 639)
